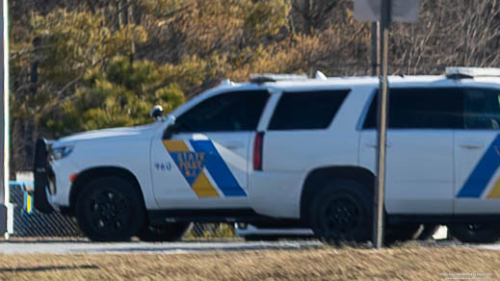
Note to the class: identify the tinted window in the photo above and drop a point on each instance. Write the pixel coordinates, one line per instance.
(482, 109)
(421, 108)
(307, 110)
(236, 111)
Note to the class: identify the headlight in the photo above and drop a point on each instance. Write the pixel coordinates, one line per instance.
(61, 152)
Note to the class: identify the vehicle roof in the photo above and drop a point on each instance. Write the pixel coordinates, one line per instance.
(364, 80)
(422, 80)
(338, 82)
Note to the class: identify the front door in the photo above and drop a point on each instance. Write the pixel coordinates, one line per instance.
(419, 161)
(477, 153)
(204, 162)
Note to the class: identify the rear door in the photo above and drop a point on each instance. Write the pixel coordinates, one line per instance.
(205, 162)
(297, 137)
(477, 153)
(419, 163)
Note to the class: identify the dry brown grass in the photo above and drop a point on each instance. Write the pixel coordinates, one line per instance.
(417, 263)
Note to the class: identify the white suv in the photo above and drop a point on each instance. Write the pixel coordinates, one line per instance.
(292, 152)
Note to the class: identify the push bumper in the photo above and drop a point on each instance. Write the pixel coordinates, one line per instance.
(42, 176)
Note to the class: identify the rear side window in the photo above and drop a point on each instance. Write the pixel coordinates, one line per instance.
(421, 108)
(307, 110)
(482, 109)
(229, 112)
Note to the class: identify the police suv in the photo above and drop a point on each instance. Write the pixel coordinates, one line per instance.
(287, 151)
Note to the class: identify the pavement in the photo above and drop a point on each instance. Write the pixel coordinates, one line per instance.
(83, 246)
(79, 247)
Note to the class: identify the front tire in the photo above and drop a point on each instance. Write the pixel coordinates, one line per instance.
(169, 232)
(475, 233)
(109, 209)
(342, 212)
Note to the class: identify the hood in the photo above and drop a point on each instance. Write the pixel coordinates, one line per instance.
(142, 131)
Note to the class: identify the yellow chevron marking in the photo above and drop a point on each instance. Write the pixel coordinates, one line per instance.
(175, 146)
(495, 191)
(203, 188)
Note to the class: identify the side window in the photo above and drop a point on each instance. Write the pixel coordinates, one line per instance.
(482, 109)
(420, 108)
(307, 110)
(229, 112)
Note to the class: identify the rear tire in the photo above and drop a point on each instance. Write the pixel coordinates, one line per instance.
(169, 232)
(475, 233)
(342, 212)
(110, 209)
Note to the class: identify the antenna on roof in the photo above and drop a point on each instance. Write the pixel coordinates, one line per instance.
(471, 72)
(320, 75)
(226, 82)
(271, 77)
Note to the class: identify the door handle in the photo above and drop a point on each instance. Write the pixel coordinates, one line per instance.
(472, 145)
(374, 145)
(233, 145)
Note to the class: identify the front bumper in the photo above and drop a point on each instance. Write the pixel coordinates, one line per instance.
(44, 178)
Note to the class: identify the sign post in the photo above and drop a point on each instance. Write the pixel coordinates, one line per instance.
(6, 210)
(383, 11)
(383, 99)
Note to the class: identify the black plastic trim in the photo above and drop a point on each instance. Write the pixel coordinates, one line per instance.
(41, 175)
(159, 217)
(445, 219)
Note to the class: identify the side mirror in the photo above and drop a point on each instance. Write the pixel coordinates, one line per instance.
(156, 113)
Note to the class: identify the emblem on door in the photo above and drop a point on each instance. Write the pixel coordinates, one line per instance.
(203, 168)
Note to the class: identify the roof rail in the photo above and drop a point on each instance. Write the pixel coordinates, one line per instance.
(471, 72)
(271, 77)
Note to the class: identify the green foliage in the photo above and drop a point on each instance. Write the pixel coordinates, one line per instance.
(266, 18)
(106, 64)
(122, 95)
(74, 41)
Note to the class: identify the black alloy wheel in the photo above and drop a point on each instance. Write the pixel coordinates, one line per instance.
(342, 212)
(341, 216)
(110, 209)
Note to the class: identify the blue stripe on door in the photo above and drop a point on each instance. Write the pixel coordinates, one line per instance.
(483, 172)
(218, 169)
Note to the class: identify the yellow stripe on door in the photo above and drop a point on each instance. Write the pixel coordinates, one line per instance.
(175, 146)
(203, 188)
(495, 191)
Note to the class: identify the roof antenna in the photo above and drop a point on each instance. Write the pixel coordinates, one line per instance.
(226, 82)
(320, 75)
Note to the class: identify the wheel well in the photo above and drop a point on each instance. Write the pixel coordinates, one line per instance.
(91, 174)
(316, 179)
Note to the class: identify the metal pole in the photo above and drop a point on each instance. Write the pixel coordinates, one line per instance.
(6, 213)
(375, 49)
(383, 99)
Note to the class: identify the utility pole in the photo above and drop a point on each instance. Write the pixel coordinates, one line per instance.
(6, 209)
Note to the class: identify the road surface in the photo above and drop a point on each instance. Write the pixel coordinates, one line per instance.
(69, 247)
